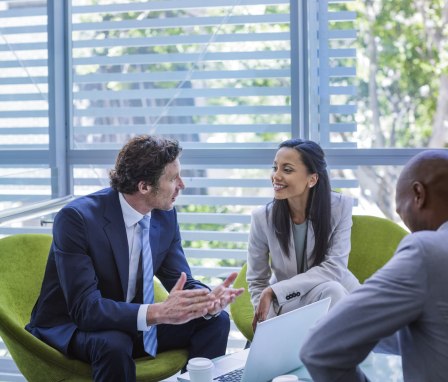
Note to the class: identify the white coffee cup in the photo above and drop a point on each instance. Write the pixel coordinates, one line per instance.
(286, 378)
(200, 369)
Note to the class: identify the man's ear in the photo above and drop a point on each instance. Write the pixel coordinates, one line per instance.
(144, 187)
(419, 192)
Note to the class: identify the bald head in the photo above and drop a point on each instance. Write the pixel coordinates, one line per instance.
(422, 191)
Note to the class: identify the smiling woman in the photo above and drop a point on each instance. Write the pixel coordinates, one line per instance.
(299, 243)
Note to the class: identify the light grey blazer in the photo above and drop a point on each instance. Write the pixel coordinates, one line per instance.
(265, 258)
(409, 297)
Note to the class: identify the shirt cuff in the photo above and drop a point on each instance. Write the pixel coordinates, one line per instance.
(141, 318)
(208, 315)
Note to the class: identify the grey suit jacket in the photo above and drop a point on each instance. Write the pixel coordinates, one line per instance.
(265, 258)
(409, 295)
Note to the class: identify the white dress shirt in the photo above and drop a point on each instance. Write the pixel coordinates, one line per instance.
(131, 218)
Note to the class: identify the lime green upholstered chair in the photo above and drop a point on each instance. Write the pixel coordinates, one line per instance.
(373, 242)
(241, 309)
(22, 264)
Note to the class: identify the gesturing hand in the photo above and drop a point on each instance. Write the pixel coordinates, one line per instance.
(181, 305)
(224, 295)
(263, 306)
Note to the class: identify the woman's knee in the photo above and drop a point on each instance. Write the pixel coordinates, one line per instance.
(334, 290)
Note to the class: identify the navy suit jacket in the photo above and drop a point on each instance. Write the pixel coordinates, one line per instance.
(87, 272)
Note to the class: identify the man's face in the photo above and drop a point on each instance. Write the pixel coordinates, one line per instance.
(168, 188)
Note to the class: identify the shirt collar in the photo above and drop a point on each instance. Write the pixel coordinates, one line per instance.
(130, 215)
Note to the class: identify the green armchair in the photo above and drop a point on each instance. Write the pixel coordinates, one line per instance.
(373, 242)
(22, 264)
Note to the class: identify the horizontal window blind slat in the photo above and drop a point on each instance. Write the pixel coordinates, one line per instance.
(212, 218)
(24, 114)
(23, 147)
(181, 40)
(38, 10)
(24, 157)
(179, 93)
(28, 29)
(6, 181)
(342, 16)
(23, 63)
(4, 230)
(23, 130)
(181, 76)
(342, 90)
(342, 53)
(178, 22)
(23, 46)
(183, 128)
(177, 111)
(170, 5)
(343, 109)
(23, 80)
(342, 127)
(222, 200)
(23, 198)
(23, 97)
(344, 183)
(342, 145)
(213, 271)
(215, 253)
(227, 182)
(342, 71)
(214, 236)
(342, 34)
(170, 58)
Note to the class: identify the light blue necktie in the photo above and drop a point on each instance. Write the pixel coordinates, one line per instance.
(150, 336)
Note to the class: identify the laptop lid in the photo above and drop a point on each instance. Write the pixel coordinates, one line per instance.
(275, 347)
(277, 342)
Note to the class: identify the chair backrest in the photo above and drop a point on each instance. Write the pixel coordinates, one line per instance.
(374, 241)
(22, 264)
(241, 309)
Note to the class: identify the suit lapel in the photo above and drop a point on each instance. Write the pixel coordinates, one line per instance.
(154, 237)
(115, 230)
(291, 261)
(310, 241)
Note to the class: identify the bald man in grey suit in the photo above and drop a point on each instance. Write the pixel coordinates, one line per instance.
(402, 308)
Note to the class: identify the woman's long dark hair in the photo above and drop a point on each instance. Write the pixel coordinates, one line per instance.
(318, 209)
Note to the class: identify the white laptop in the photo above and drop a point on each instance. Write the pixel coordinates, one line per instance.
(274, 350)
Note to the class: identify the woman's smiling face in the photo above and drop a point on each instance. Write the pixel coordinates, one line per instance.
(290, 177)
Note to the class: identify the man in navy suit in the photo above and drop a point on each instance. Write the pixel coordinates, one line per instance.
(91, 305)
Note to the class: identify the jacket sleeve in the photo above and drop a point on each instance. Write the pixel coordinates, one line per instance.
(175, 262)
(78, 280)
(258, 267)
(334, 266)
(388, 301)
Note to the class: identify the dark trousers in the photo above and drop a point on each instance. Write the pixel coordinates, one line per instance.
(111, 353)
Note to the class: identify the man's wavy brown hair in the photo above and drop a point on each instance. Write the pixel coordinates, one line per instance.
(143, 158)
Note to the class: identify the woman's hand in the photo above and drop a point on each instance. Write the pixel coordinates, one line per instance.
(263, 306)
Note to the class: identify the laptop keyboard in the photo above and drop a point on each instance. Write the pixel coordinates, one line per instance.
(231, 376)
